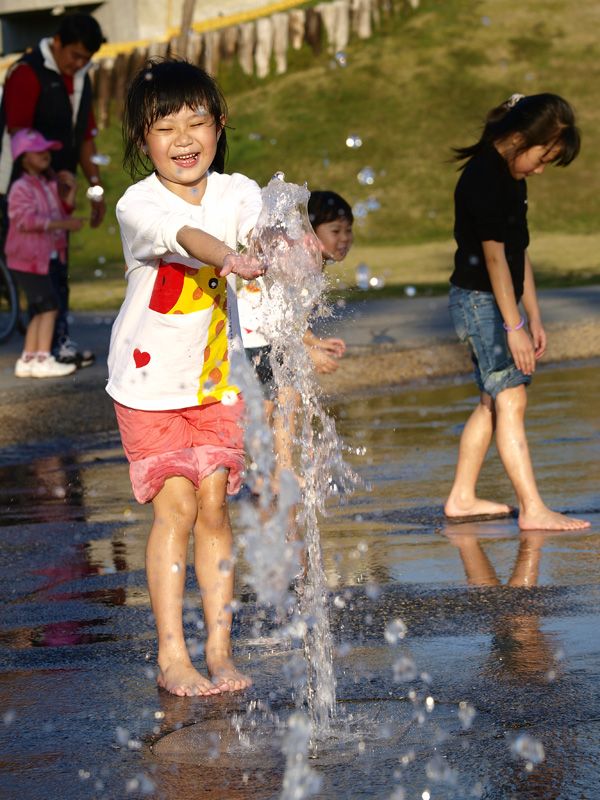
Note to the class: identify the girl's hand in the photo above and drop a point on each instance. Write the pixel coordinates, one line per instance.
(74, 224)
(245, 266)
(538, 334)
(522, 351)
(324, 363)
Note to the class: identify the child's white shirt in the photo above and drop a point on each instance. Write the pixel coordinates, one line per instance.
(170, 342)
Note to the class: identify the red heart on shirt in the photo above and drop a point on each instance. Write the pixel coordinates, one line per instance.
(141, 359)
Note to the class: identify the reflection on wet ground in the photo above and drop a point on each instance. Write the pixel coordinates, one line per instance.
(500, 658)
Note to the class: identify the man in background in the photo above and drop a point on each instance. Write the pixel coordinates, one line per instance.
(49, 89)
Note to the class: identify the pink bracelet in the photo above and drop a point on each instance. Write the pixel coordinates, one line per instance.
(518, 328)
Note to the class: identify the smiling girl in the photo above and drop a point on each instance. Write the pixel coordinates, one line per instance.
(179, 414)
(492, 275)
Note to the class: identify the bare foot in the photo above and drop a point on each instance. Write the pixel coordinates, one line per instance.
(476, 509)
(547, 520)
(224, 674)
(184, 681)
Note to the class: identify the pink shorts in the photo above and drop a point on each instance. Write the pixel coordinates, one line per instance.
(190, 442)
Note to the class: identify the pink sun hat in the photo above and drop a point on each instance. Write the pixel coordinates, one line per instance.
(30, 141)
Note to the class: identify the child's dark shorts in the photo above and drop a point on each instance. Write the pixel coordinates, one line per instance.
(478, 323)
(260, 358)
(40, 292)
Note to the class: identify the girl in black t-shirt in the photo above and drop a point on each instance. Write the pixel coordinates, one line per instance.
(492, 274)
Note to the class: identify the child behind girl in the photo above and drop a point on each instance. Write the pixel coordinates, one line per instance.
(492, 274)
(39, 208)
(331, 218)
(179, 415)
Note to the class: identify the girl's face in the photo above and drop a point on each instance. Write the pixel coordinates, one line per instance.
(336, 236)
(36, 163)
(182, 147)
(532, 161)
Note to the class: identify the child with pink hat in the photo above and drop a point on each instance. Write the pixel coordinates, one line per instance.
(39, 212)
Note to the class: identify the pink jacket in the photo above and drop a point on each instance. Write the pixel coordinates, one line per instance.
(30, 209)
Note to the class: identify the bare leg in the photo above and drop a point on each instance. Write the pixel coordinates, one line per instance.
(474, 444)
(175, 512)
(213, 561)
(514, 452)
(477, 566)
(284, 432)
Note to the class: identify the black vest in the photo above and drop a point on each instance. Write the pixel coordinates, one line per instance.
(54, 114)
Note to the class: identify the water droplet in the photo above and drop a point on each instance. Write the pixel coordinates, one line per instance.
(430, 704)
(394, 631)
(529, 749)
(148, 76)
(376, 283)
(466, 714)
(473, 260)
(201, 111)
(101, 159)
(366, 176)
(404, 669)
(353, 141)
(363, 274)
(410, 291)
(95, 194)
(176, 568)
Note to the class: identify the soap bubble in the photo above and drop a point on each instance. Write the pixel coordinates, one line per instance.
(360, 210)
(376, 282)
(373, 203)
(486, 21)
(363, 273)
(100, 159)
(254, 137)
(410, 291)
(341, 59)
(394, 631)
(95, 194)
(353, 141)
(366, 176)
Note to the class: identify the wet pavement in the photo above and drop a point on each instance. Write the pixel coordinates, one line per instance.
(493, 692)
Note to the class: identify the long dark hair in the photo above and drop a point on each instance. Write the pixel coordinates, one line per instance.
(541, 120)
(162, 87)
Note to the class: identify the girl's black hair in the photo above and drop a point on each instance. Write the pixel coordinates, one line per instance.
(541, 120)
(328, 207)
(162, 87)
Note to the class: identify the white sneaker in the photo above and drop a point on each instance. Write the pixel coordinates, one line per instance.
(50, 368)
(23, 368)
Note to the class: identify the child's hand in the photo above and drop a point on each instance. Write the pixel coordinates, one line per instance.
(522, 351)
(324, 363)
(66, 179)
(538, 334)
(73, 224)
(337, 347)
(245, 266)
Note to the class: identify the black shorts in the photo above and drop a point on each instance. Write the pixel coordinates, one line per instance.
(260, 358)
(41, 295)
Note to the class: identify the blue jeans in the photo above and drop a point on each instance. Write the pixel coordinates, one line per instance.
(478, 323)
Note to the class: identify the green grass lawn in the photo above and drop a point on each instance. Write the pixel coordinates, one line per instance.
(420, 86)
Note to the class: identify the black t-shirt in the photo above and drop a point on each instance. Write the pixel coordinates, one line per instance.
(489, 205)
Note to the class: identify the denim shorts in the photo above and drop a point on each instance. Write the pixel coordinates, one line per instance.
(478, 323)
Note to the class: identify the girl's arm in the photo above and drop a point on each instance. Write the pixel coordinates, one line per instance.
(67, 189)
(519, 343)
(532, 309)
(210, 250)
(334, 346)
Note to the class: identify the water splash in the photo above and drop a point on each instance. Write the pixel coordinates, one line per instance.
(281, 530)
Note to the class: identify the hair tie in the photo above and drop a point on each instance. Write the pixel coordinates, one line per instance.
(514, 99)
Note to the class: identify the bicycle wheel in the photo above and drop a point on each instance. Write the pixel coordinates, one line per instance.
(9, 304)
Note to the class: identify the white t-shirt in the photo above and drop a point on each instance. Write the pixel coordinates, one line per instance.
(170, 342)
